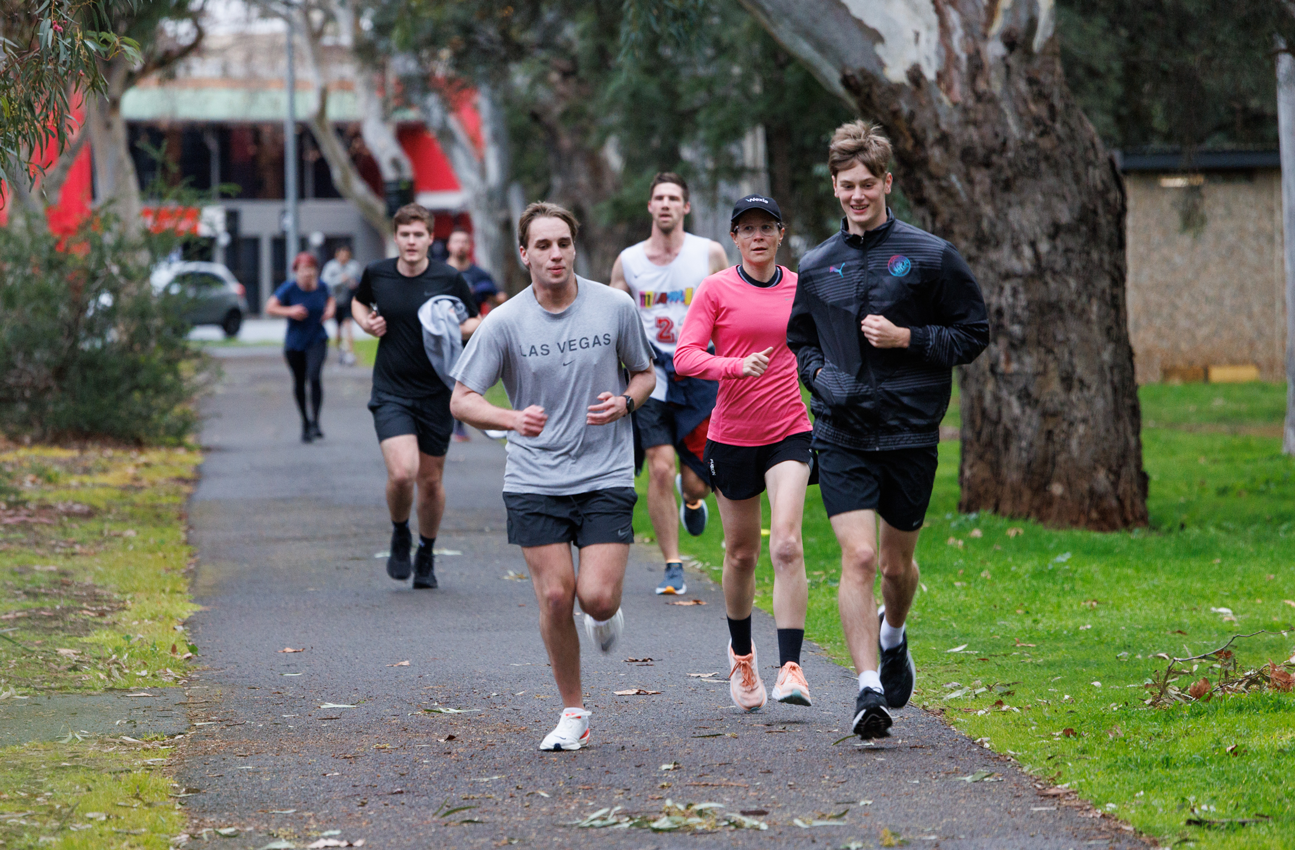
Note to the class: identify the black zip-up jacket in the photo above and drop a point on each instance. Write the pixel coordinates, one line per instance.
(882, 399)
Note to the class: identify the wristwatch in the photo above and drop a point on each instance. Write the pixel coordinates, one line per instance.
(629, 403)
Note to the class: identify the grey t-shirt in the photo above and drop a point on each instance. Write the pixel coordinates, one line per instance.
(561, 362)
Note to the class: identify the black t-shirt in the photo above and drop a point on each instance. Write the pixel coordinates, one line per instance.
(402, 367)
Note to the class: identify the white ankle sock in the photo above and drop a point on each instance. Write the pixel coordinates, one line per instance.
(573, 710)
(602, 622)
(870, 679)
(891, 637)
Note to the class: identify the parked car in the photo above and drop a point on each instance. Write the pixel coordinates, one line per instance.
(215, 295)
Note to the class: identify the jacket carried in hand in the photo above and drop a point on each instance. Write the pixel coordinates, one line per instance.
(882, 399)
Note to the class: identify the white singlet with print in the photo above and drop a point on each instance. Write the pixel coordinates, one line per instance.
(663, 293)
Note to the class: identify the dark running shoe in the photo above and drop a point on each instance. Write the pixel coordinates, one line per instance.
(897, 670)
(424, 568)
(314, 430)
(871, 716)
(398, 565)
(693, 519)
(307, 434)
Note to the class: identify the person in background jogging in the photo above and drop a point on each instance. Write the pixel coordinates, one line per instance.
(661, 274)
(883, 312)
(561, 347)
(759, 439)
(410, 403)
(342, 276)
(306, 305)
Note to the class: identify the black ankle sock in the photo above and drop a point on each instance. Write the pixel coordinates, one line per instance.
(789, 641)
(403, 525)
(429, 542)
(740, 632)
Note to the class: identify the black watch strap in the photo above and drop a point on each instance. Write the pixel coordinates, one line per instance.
(629, 402)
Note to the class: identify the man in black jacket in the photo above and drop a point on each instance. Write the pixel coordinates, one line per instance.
(883, 311)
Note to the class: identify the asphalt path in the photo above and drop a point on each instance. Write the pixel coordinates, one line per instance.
(412, 718)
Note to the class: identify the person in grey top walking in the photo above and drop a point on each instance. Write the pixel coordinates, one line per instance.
(559, 347)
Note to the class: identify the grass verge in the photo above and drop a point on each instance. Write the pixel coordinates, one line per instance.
(93, 568)
(86, 795)
(1040, 643)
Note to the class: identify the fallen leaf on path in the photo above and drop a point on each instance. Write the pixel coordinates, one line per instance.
(688, 602)
(1059, 791)
(443, 710)
(637, 660)
(279, 844)
(980, 776)
(399, 664)
(226, 831)
(807, 824)
(890, 839)
(704, 675)
(636, 692)
(1199, 688)
(513, 575)
(755, 813)
(333, 842)
(336, 705)
(671, 766)
(290, 649)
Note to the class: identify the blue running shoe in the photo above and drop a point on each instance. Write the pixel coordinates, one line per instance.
(673, 583)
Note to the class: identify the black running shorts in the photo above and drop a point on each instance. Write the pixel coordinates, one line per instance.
(428, 419)
(655, 420)
(599, 516)
(896, 484)
(738, 471)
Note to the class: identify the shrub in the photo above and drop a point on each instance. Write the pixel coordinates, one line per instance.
(86, 347)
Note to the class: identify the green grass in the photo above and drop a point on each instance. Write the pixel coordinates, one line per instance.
(1061, 628)
(87, 795)
(93, 569)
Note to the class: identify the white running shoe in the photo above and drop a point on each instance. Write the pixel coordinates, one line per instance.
(572, 731)
(605, 634)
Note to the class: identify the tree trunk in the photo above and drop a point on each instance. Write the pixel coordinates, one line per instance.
(346, 177)
(1286, 141)
(115, 178)
(483, 178)
(996, 157)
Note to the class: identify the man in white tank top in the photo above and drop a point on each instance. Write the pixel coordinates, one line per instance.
(662, 274)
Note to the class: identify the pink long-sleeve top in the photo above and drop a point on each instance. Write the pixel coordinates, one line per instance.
(742, 319)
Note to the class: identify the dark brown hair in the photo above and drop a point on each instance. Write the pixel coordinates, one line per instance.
(543, 209)
(859, 143)
(668, 177)
(410, 213)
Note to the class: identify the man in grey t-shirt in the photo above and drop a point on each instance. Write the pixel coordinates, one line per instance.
(559, 348)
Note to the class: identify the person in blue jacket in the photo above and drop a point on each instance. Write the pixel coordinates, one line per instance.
(306, 305)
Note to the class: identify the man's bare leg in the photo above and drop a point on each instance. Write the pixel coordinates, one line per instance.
(856, 532)
(899, 573)
(554, 579)
(431, 494)
(662, 508)
(694, 489)
(401, 457)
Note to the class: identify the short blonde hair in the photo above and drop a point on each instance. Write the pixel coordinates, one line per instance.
(543, 209)
(859, 143)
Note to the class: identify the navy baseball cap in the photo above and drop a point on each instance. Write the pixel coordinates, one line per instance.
(756, 202)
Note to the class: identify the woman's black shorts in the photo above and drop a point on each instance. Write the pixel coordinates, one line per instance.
(738, 471)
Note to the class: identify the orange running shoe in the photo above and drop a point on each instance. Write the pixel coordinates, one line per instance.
(744, 683)
(791, 686)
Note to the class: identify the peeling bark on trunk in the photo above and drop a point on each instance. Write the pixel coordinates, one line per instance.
(346, 177)
(996, 157)
(483, 179)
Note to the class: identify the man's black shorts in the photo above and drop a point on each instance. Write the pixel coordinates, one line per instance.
(738, 471)
(655, 421)
(599, 516)
(896, 484)
(343, 309)
(428, 419)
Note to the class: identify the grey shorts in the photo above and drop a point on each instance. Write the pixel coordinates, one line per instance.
(599, 516)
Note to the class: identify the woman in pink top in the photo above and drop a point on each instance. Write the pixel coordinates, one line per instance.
(759, 439)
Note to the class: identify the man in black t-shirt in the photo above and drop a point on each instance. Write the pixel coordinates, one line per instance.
(410, 402)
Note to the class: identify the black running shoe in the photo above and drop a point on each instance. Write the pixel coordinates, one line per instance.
(424, 568)
(307, 435)
(314, 430)
(398, 565)
(897, 670)
(871, 716)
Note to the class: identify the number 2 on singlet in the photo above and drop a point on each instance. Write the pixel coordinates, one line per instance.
(665, 329)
